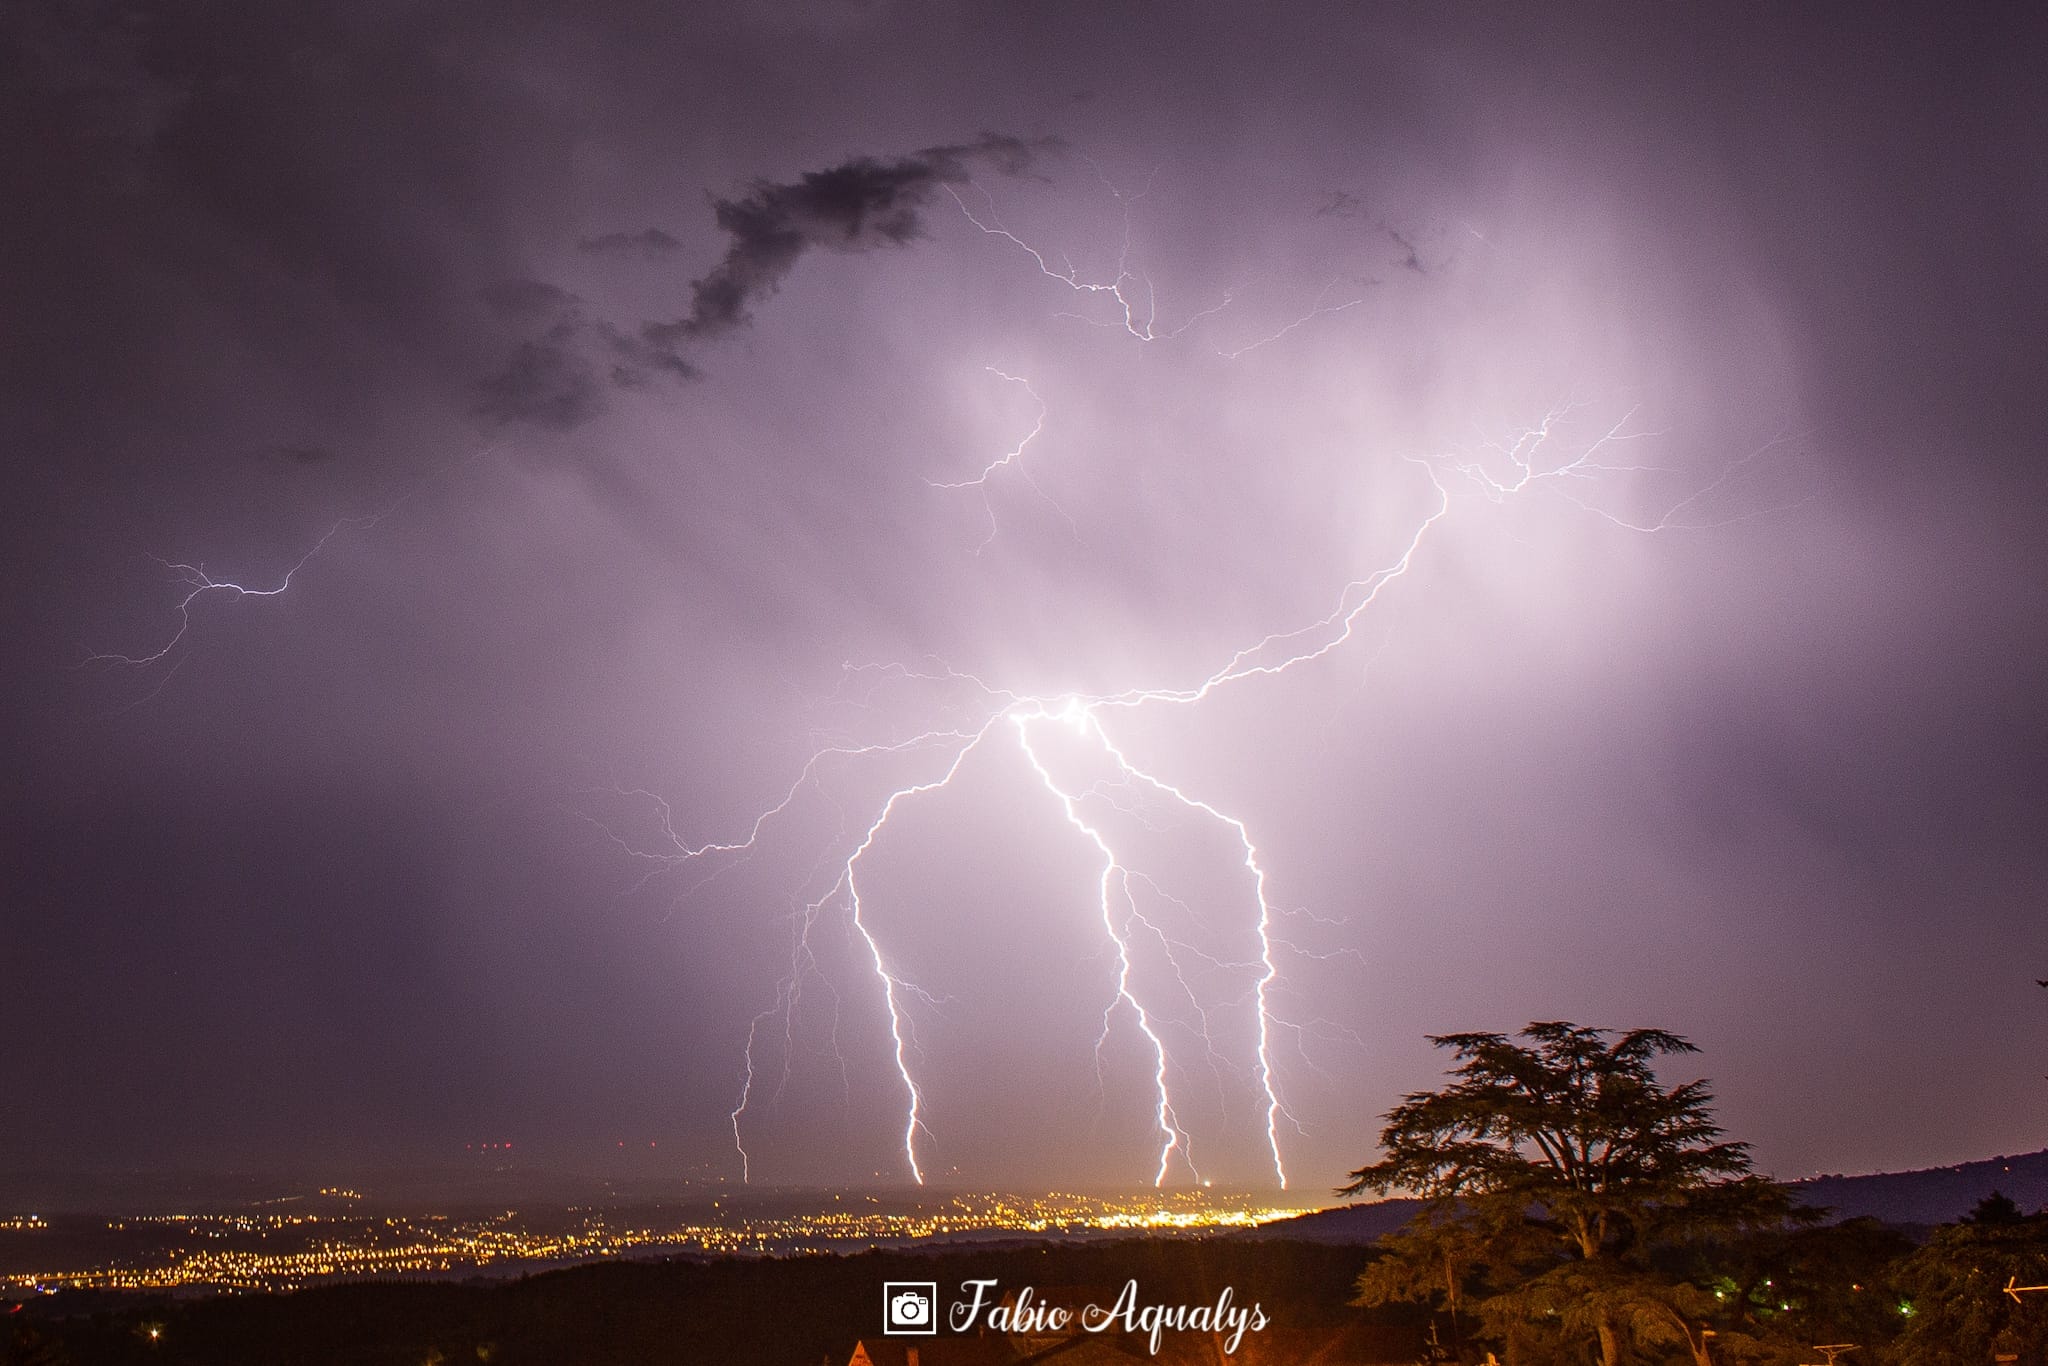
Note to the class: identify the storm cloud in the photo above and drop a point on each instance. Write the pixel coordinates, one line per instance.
(557, 379)
(860, 205)
(681, 428)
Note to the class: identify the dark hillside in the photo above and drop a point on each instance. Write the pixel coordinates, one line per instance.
(1939, 1195)
(771, 1312)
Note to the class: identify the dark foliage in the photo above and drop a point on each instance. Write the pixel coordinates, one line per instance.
(1954, 1302)
(1559, 1171)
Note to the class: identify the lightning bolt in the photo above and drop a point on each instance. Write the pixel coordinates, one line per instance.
(977, 716)
(1130, 292)
(1274, 1109)
(1135, 301)
(894, 988)
(198, 583)
(1116, 883)
(1012, 459)
(1536, 459)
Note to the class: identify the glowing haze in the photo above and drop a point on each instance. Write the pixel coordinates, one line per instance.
(1000, 597)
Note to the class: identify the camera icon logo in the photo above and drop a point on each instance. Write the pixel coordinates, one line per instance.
(910, 1308)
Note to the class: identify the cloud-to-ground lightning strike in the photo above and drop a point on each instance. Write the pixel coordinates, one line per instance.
(980, 715)
(1530, 461)
(1115, 879)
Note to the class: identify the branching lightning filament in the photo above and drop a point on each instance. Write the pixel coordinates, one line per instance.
(1530, 462)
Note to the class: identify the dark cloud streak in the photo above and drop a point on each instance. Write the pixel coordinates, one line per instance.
(861, 205)
(867, 204)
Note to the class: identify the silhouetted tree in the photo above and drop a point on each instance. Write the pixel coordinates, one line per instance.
(1995, 1208)
(1555, 1168)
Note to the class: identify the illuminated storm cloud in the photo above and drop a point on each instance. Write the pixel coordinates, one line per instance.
(1188, 558)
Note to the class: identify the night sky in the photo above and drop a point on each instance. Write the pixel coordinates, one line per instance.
(598, 373)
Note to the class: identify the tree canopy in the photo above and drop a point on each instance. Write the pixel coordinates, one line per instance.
(1557, 1168)
(1956, 1309)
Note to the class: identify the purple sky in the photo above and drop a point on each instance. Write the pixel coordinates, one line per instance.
(637, 348)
